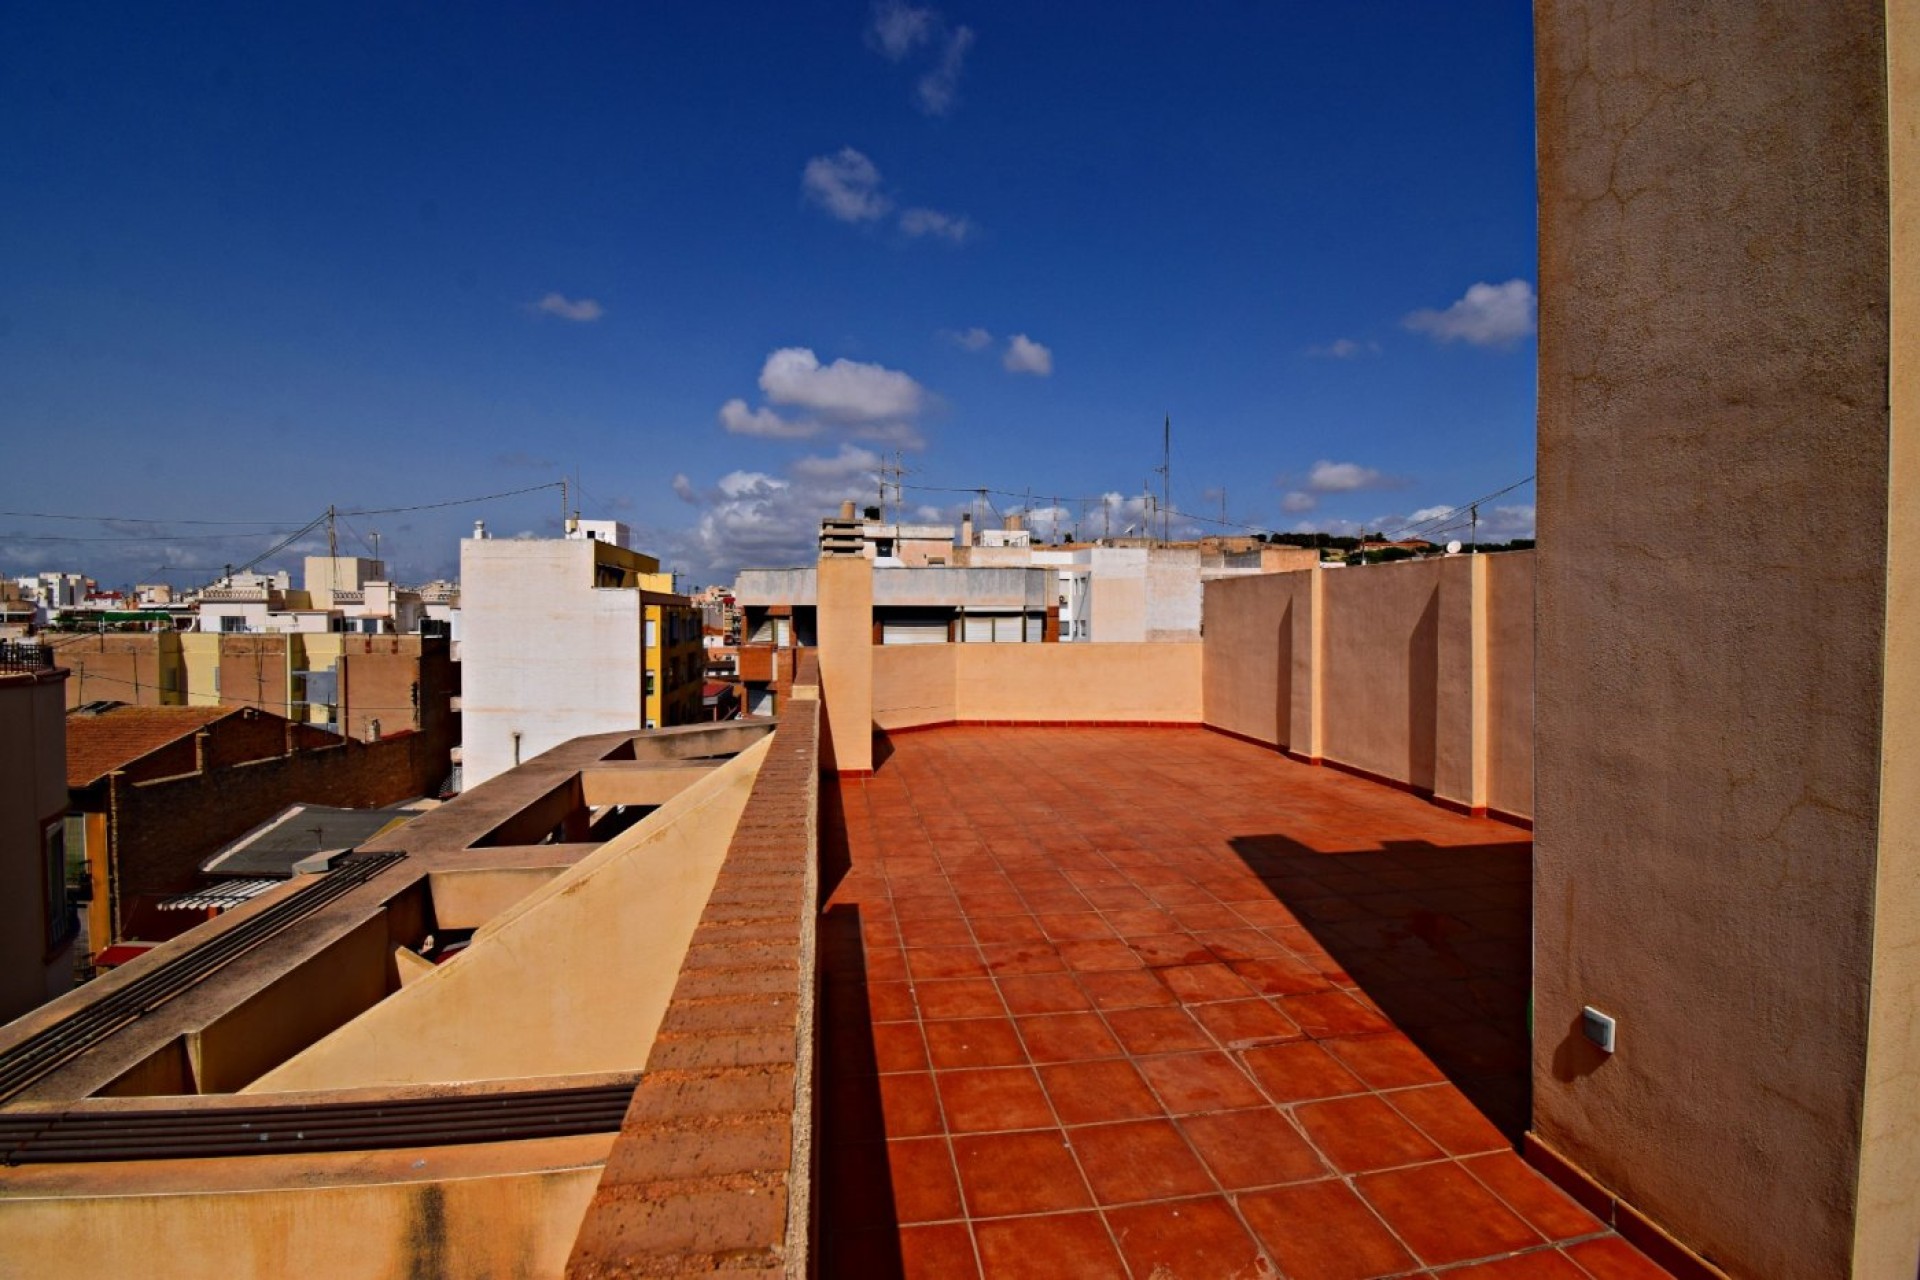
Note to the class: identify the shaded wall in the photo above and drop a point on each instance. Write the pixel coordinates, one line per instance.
(1418, 672)
(33, 798)
(142, 668)
(1726, 852)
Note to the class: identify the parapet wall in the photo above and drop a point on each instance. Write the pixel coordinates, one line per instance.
(1417, 673)
(917, 685)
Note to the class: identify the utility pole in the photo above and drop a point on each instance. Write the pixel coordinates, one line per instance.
(1166, 479)
(333, 545)
(1473, 515)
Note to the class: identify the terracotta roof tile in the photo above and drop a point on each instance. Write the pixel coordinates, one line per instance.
(99, 744)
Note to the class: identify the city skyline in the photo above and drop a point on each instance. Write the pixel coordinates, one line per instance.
(718, 266)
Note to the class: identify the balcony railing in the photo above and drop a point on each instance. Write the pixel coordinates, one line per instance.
(24, 655)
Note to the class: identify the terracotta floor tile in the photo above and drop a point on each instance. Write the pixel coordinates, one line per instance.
(1550, 1210)
(1043, 993)
(1138, 1160)
(1012, 1173)
(1186, 1240)
(1333, 1013)
(1611, 1258)
(1190, 1082)
(1386, 1061)
(1300, 1071)
(1257, 1148)
(1008, 928)
(1239, 1024)
(1444, 1114)
(1099, 954)
(1363, 1133)
(1322, 1231)
(992, 1098)
(876, 1252)
(1246, 943)
(958, 998)
(1199, 917)
(884, 964)
(1281, 976)
(1144, 1031)
(940, 1252)
(1005, 959)
(940, 932)
(1443, 1213)
(1057, 902)
(891, 1002)
(1125, 989)
(1074, 925)
(1067, 1037)
(924, 1189)
(1118, 899)
(1072, 1246)
(973, 1042)
(1089, 1092)
(897, 1046)
(1142, 921)
(909, 1106)
(1539, 1264)
(926, 963)
(1163, 950)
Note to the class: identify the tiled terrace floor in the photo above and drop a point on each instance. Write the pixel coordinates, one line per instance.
(1155, 1002)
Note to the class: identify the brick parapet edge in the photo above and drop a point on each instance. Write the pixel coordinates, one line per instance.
(713, 1168)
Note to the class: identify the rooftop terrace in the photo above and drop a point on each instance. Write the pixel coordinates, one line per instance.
(1155, 1002)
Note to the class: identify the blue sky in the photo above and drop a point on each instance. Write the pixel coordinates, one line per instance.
(718, 260)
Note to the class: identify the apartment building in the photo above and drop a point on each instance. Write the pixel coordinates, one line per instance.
(37, 923)
(565, 636)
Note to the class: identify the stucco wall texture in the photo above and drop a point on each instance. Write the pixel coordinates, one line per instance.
(1419, 672)
(938, 684)
(1725, 848)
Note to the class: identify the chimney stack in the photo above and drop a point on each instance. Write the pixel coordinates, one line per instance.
(966, 529)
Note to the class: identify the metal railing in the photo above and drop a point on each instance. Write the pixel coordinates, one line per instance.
(25, 655)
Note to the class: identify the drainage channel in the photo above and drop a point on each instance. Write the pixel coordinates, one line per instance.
(83, 1136)
(40, 1054)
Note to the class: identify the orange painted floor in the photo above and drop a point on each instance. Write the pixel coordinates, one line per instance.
(1158, 1003)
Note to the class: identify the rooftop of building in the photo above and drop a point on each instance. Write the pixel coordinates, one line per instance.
(100, 742)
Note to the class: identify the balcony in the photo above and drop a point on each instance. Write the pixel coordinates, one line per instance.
(24, 655)
(758, 664)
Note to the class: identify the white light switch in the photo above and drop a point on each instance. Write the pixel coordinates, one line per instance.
(1599, 1028)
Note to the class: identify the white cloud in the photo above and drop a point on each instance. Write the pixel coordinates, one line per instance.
(1297, 502)
(753, 519)
(1425, 514)
(1489, 315)
(683, 489)
(846, 391)
(580, 310)
(1343, 477)
(898, 29)
(846, 185)
(1345, 349)
(1024, 355)
(763, 423)
(955, 228)
(940, 88)
(968, 339)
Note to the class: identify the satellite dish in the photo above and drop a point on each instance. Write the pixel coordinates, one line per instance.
(1453, 548)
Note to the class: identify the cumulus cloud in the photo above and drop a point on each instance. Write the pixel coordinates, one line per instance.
(968, 339)
(846, 391)
(846, 185)
(939, 88)
(898, 29)
(1343, 477)
(1344, 349)
(683, 489)
(1488, 315)
(1297, 502)
(752, 519)
(762, 423)
(953, 228)
(578, 310)
(1024, 355)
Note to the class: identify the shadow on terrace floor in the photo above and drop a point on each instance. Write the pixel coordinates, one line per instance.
(1438, 937)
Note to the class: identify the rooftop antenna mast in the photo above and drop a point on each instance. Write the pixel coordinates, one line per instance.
(333, 545)
(1165, 472)
(563, 506)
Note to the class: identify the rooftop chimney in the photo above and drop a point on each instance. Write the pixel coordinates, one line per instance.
(966, 529)
(846, 509)
(1012, 521)
(479, 529)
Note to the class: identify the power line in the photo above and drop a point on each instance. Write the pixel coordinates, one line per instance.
(48, 515)
(451, 502)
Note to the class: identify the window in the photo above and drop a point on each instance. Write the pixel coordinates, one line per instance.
(230, 623)
(649, 683)
(653, 634)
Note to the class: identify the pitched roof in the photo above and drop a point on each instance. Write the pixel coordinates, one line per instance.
(99, 744)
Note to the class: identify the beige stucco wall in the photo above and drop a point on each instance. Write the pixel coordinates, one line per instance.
(844, 628)
(574, 978)
(200, 655)
(1383, 673)
(1259, 656)
(509, 1209)
(913, 685)
(1717, 742)
(1886, 1241)
(1509, 675)
(1077, 682)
